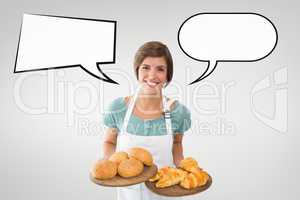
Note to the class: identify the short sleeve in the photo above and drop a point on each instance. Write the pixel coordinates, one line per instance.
(181, 121)
(111, 114)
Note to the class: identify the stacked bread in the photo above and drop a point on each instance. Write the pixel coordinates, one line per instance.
(126, 164)
(189, 175)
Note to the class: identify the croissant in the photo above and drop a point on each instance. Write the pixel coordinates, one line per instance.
(195, 179)
(189, 182)
(172, 177)
(201, 175)
(188, 164)
(189, 176)
(160, 173)
(168, 176)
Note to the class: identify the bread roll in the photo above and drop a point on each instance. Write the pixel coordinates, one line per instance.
(118, 157)
(104, 169)
(130, 168)
(141, 154)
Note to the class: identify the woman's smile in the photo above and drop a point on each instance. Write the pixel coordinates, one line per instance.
(152, 84)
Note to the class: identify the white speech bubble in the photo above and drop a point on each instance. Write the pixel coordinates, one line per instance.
(51, 42)
(226, 37)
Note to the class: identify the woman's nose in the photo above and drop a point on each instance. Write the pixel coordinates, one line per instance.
(152, 73)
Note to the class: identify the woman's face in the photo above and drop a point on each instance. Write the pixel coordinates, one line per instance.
(152, 74)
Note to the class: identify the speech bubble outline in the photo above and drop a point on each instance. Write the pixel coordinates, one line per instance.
(212, 63)
(106, 78)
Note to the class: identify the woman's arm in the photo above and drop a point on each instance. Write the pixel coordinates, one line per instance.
(110, 142)
(177, 149)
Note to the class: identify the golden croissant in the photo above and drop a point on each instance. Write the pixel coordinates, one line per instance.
(160, 173)
(194, 179)
(189, 176)
(168, 176)
(188, 164)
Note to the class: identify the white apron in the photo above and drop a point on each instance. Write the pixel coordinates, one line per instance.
(159, 146)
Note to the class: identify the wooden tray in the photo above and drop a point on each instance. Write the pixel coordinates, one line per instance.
(177, 190)
(119, 181)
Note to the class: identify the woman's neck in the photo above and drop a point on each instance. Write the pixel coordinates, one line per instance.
(149, 103)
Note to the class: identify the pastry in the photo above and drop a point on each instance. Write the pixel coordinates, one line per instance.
(202, 176)
(130, 168)
(168, 176)
(173, 177)
(189, 182)
(194, 179)
(160, 173)
(189, 175)
(141, 154)
(104, 169)
(118, 157)
(188, 164)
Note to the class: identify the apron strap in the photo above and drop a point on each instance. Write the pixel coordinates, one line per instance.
(129, 110)
(167, 113)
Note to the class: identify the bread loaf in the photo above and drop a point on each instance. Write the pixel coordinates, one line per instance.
(104, 169)
(118, 157)
(130, 168)
(141, 154)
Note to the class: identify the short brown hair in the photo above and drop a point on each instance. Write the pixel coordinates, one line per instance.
(154, 49)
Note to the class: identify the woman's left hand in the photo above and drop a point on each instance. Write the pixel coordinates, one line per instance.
(177, 149)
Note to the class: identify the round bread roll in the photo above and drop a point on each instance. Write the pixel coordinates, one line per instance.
(104, 169)
(142, 155)
(130, 168)
(118, 157)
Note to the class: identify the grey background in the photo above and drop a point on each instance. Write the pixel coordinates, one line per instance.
(48, 155)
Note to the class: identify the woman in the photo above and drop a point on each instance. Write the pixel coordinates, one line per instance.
(148, 118)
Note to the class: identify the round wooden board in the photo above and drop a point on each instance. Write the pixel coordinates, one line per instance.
(119, 181)
(177, 190)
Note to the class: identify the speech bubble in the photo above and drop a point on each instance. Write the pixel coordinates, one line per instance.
(226, 37)
(53, 42)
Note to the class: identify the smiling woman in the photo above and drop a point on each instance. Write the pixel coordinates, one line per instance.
(147, 119)
(154, 50)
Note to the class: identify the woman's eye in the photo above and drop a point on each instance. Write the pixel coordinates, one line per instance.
(161, 69)
(145, 67)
